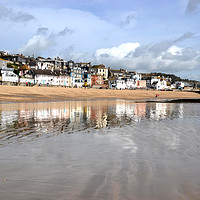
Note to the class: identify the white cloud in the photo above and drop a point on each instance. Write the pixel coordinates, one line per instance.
(163, 56)
(174, 50)
(119, 52)
(36, 45)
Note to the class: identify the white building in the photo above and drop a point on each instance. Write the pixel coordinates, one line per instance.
(103, 71)
(48, 77)
(120, 84)
(45, 65)
(131, 83)
(26, 80)
(41, 65)
(137, 76)
(180, 85)
(7, 74)
(159, 83)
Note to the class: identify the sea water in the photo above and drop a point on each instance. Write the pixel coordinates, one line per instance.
(81, 150)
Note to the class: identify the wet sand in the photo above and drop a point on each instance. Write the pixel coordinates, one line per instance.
(96, 150)
(39, 94)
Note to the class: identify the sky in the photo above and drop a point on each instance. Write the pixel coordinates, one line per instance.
(145, 36)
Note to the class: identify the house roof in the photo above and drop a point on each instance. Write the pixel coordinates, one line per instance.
(131, 72)
(99, 66)
(49, 72)
(95, 75)
(24, 67)
(186, 84)
(115, 70)
(43, 72)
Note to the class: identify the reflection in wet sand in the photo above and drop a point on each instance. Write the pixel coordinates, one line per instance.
(99, 150)
(68, 117)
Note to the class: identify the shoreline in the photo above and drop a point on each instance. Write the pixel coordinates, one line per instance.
(110, 100)
(13, 94)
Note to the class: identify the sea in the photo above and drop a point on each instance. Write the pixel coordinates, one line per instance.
(100, 150)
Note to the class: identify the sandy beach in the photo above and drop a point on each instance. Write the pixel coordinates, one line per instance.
(37, 94)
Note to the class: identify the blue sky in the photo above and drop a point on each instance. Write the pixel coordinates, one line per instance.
(145, 35)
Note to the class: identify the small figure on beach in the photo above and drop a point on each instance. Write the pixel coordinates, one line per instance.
(157, 95)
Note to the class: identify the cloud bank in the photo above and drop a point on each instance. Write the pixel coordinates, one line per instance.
(165, 56)
(37, 44)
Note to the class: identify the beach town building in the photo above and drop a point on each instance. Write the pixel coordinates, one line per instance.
(115, 73)
(7, 74)
(122, 73)
(117, 83)
(48, 63)
(48, 77)
(97, 81)
(101, 70)
(158, 83)
(188, 86)
(3, 53)
(75, 71)
(23, 70)
(123, 79)
(142, 84)
(57, 63)
(17, 58)
(117, 78)
(131, 83)
(179, 85)
(41, 65)
(120, 84)
(3, 64)
(133, 80)
(79, 73)
(86, 76)
(184, 85)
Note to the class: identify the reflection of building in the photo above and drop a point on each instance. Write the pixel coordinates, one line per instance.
(140, 110)
(125, 108)
(164, 110)
(76, 113)
(8, 117)
(160, 111)
(99, 115)
(44, 114)
(79, 115)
